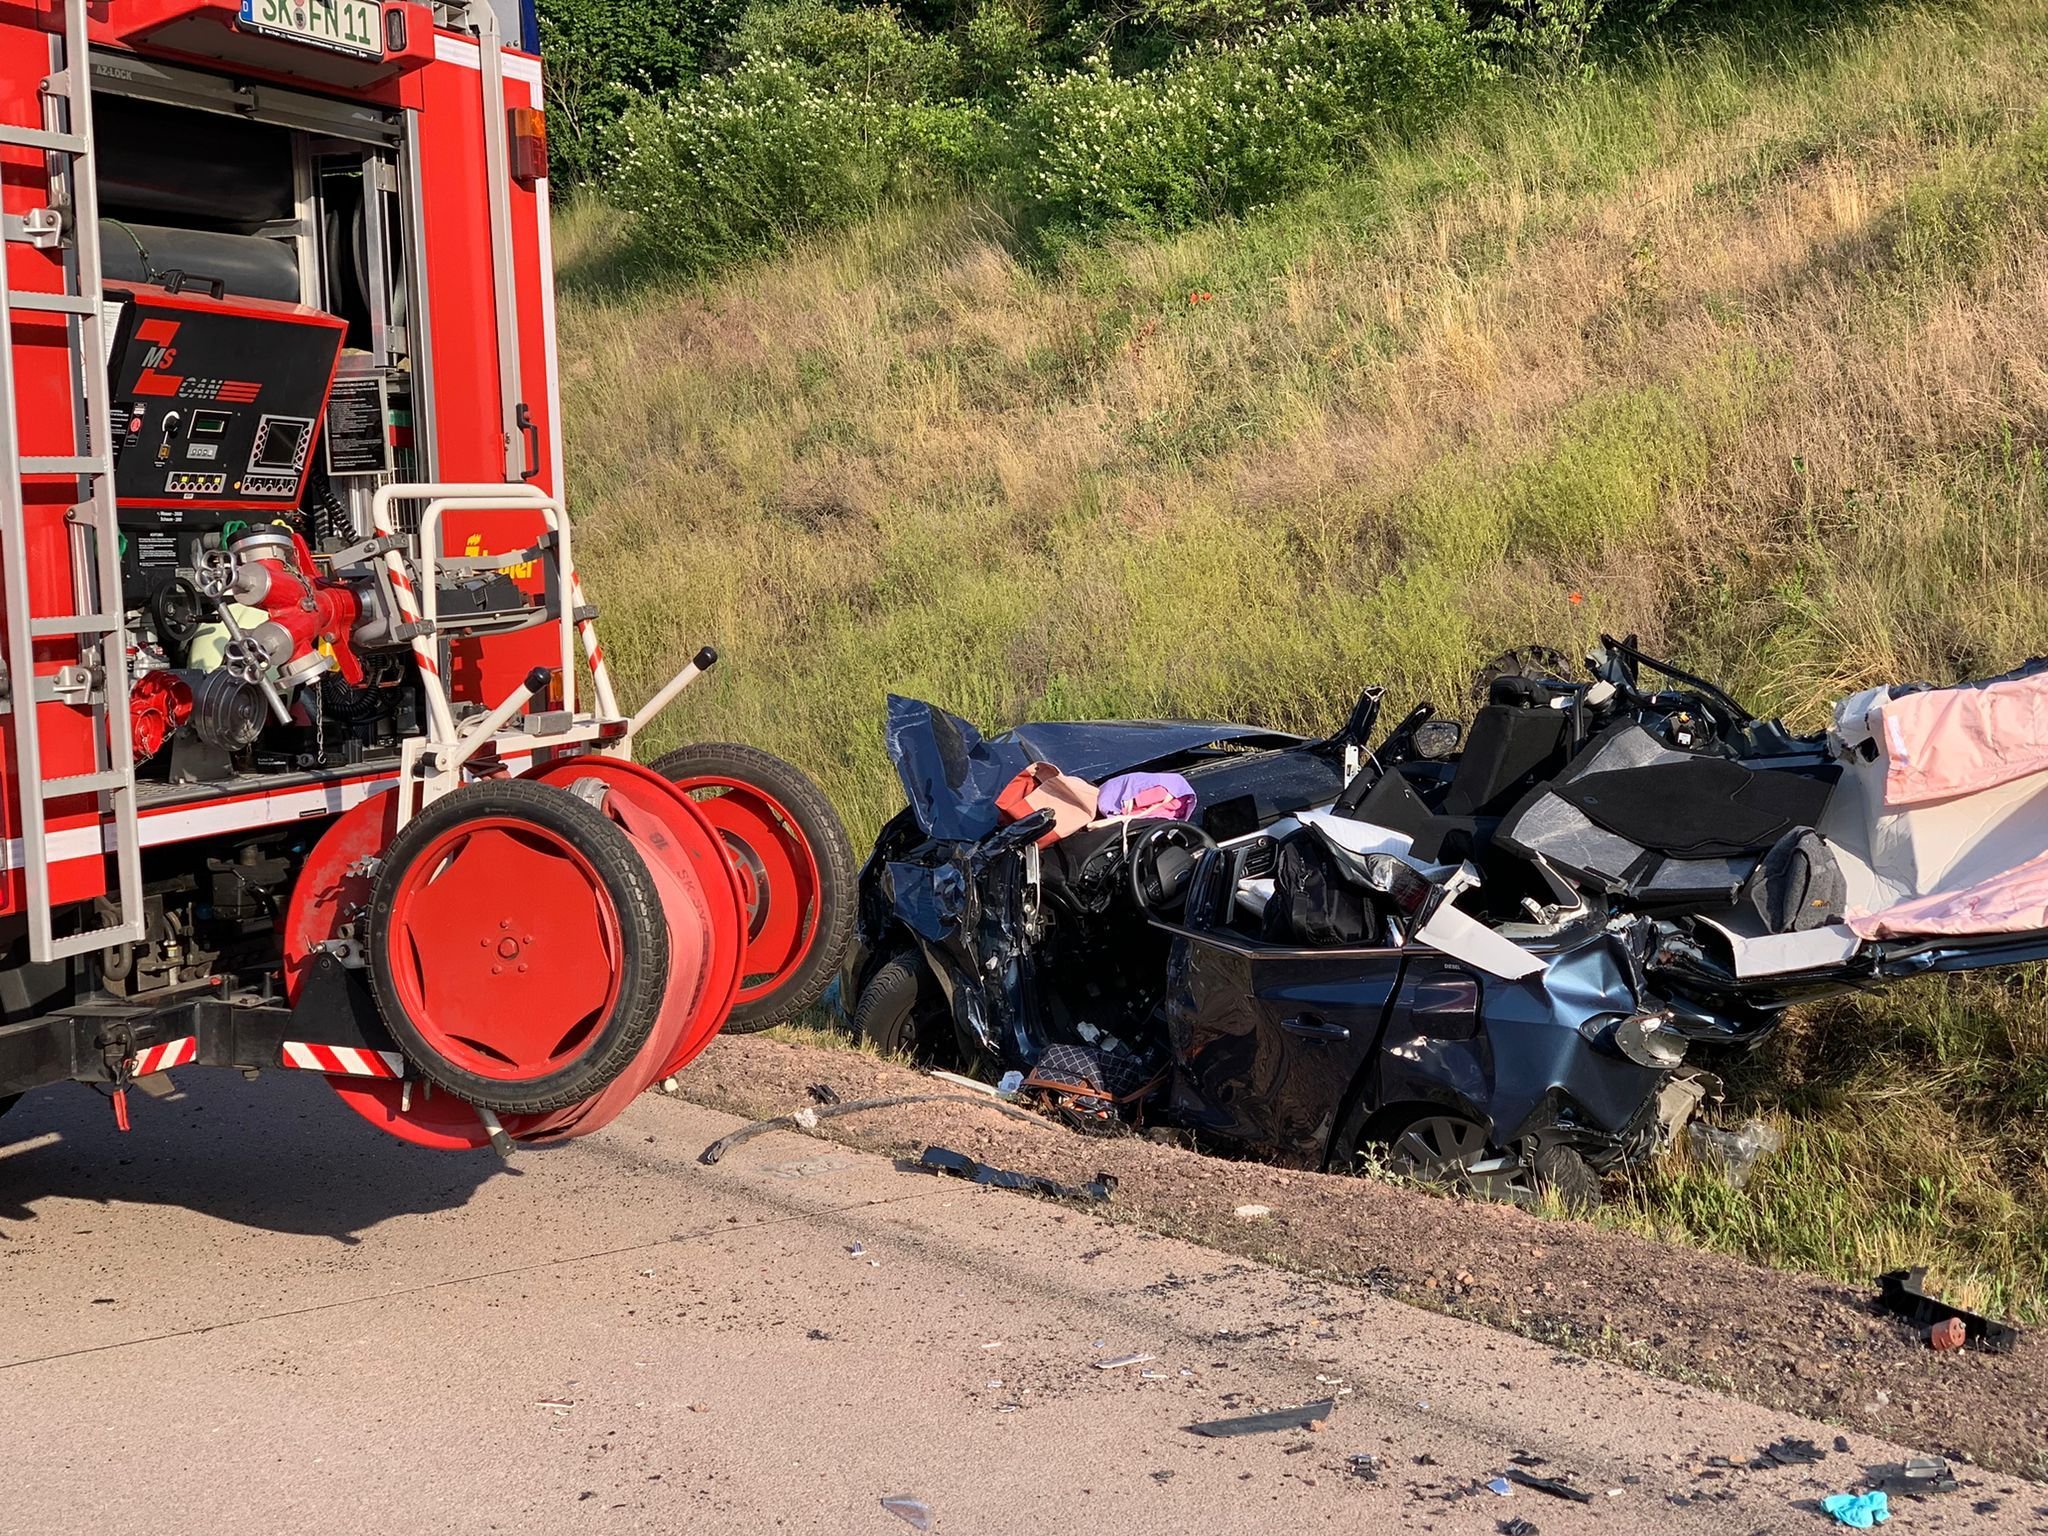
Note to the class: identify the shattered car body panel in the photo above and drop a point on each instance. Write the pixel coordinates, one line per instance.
(947, 876)
(1515, 944)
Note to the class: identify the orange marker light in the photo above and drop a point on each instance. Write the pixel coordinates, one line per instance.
(529, 147)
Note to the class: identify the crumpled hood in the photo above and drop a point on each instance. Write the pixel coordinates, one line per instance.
(952, 773)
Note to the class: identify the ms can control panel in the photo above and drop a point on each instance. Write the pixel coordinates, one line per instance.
(217, 402)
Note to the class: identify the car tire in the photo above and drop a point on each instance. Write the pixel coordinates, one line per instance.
(713, 767)
(1562, 1172)
(887, 1019)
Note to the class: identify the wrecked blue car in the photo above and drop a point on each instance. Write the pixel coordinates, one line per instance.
(1492, 957)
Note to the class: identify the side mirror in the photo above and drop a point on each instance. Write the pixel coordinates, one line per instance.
(1435, 740)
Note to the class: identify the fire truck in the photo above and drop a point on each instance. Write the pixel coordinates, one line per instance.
(312, 760)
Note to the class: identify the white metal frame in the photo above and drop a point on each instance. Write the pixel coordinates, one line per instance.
(433, 764)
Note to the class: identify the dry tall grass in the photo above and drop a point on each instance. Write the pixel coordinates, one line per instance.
(1746, 350)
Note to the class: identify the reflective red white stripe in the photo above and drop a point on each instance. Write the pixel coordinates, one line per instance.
(161, 1058)
(600, 674)
(343, 1060)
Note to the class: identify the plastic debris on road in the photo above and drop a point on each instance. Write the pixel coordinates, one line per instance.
(1862, 1510)
(961, 1166)
(1733, 1154)
(1501, 1486)
(1904, 1292)
(1788, 1452)
(913, 1512)
(1915, 1477)
(1123, 1360)
(1266, 1423)
(1556, 1487)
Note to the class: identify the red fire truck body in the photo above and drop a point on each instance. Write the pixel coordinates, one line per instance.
(311, 757)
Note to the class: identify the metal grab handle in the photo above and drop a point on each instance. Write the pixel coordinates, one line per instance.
(529, 429)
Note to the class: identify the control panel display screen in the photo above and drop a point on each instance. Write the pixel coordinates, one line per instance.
(280, 444)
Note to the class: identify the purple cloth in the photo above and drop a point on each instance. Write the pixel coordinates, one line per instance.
(1147, 797)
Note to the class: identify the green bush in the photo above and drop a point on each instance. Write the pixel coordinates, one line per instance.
(998, 43)
(865, 50)
(751, 158)
(1225, 129)
(604, 55)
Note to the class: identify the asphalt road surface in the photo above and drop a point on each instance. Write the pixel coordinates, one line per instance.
(256, 1314)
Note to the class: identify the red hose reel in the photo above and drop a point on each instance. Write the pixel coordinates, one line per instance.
(562, 941)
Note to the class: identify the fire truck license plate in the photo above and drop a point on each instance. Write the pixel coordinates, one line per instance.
(351, 26)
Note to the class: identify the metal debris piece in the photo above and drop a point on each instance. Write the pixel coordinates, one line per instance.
(1265, 1423)
(914, 1512)
(1123, 1360)
(1557, 1488)
(1904, 1291)
(822, 1093)
(1501, 1486)
(960, 1165)
(1517, 1527)
(1364, 1465)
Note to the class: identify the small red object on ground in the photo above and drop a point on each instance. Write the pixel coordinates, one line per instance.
(1949, 1333)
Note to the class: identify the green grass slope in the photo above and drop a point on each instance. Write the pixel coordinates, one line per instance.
(1744, 348)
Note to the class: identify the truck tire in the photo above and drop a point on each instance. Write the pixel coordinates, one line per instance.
(796, 864)
(518, 951)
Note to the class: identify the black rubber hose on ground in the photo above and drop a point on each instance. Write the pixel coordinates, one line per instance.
(804, 1119)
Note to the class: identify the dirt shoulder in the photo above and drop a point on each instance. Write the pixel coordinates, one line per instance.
(1781, 1340)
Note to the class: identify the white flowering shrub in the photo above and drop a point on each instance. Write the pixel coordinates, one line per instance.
(1227, 128)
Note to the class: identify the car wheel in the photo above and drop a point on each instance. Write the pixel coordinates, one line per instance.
(1454, 1153)
(895, 1016)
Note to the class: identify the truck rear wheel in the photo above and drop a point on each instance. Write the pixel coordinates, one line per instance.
(796, 869)
(518, 950)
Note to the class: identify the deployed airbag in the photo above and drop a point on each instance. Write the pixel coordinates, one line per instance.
(1942, 742)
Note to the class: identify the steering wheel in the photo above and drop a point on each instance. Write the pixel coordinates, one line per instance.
(1160, 861)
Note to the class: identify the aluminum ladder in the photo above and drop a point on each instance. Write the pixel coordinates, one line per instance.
(98, 622)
